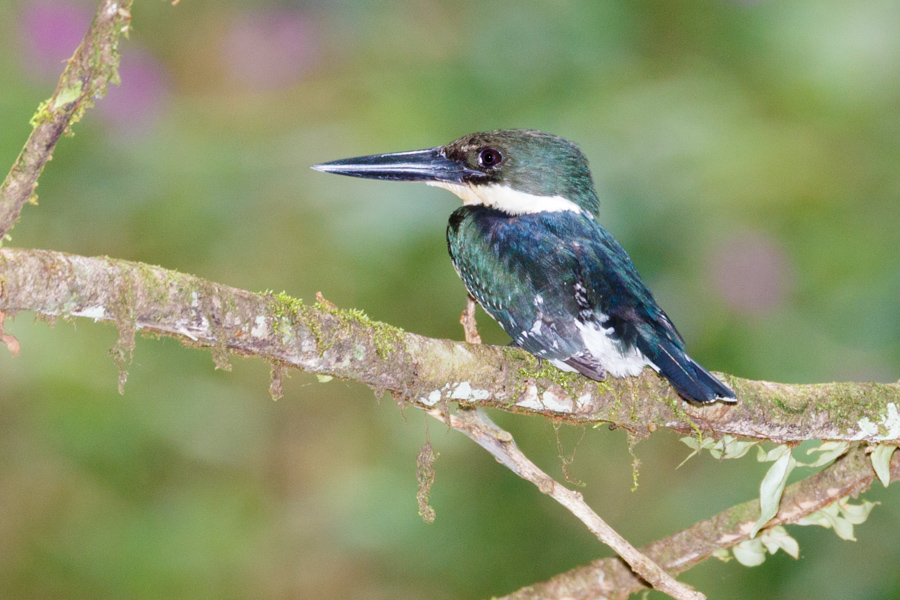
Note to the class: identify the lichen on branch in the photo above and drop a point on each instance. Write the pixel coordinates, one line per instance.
(323, 339)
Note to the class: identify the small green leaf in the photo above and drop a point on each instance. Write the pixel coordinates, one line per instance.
(724, 448)
(773, 483)
(67, 96)
(840, 516)
(722, 554)
(830, 518)
(778, 537)
(696, 445)
(772, 455)
(828, 452)
(730, 447)
(815, 518)
(855, 513)
(750, 553)
(691, 442)
(843, 528)
(324, 378)
(881, 462)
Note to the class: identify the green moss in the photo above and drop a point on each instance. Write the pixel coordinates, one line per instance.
(788, 408)
(122, 312)
(207, 294)
(567, 381)
(635, 461)
(288, 310)
(384, 336)
(615, 406)
(674, 403)
(849, 403)
(740, 390)
(156, 291)
(521, 386)
(604, 388)
(286, 305)
(42, 114)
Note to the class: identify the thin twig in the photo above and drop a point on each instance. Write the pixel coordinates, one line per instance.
(467, 320)
(475, 424)
(85, 78)
(7, 339)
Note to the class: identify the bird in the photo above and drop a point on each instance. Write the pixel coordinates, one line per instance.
(529, 247)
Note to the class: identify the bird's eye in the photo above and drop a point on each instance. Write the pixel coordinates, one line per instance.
(489, 157)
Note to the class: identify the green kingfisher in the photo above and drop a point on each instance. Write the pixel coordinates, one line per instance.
(529, 247)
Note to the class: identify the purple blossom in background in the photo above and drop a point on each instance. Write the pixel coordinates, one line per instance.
(269, 49)
(752, 273)
(50, 31)
(134, 108)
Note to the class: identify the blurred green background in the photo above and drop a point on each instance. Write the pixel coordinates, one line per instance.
(746, 155)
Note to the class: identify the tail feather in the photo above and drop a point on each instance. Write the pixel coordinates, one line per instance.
(687, 377)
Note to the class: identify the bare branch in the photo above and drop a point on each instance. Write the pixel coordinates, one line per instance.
(86, 77)
(484, 432)
(347, 344)
(467, 320)
(610, 578)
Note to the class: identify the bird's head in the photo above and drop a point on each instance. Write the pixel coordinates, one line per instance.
(517, 171)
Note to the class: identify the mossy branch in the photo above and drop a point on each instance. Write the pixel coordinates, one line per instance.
(323, 339)
(86, 77)
(610, 578)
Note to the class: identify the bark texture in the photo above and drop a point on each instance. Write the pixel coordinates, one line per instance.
(321, 338)
(86, 77)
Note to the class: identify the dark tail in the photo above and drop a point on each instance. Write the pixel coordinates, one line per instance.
(687, 377)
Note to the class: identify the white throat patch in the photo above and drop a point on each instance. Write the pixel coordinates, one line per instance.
(508, 200)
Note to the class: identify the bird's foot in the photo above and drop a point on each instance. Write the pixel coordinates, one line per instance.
(587, 365)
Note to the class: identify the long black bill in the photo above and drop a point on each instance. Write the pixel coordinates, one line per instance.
(417, 165)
